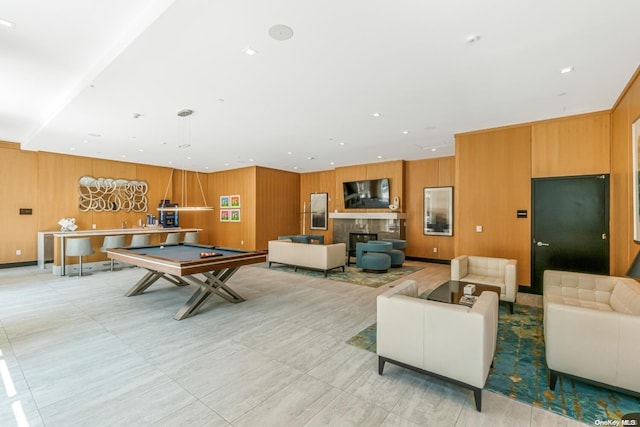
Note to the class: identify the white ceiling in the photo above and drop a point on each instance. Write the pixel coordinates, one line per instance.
(74, 69)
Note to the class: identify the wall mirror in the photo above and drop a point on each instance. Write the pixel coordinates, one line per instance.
(438, 211)
(319, 209)
(635, 177)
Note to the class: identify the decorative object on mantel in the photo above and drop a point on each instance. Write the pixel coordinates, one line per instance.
(183, 138)
(67, 224)
(112, 195)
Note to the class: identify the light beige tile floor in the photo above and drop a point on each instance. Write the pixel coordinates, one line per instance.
(79, 353)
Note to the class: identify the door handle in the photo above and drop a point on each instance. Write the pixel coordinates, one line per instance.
(542, 244)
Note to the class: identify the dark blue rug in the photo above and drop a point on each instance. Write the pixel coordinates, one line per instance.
(520, 371)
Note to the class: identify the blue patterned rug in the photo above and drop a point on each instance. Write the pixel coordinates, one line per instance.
(520, 371)
(351, 274)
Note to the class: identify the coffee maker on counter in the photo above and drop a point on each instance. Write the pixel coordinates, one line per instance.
(168, 218)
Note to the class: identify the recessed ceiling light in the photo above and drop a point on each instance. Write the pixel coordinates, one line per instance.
(251, 160)
(310, 158)
(379, 157)
(332, 163)
(472, 38)
(341, 143)
(434, 149)
(376, 114)
(280, 32)
(170, 162)
(295, 168)
(566, 70)
(289, 153)
(250, 51)
(405, 132)
(141, 150)
(124, 155)
(72, 148)
(7, 24)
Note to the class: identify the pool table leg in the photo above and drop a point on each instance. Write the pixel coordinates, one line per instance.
(142, 284)
(213, 285)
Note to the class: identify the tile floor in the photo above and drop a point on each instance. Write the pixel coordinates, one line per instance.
(76, 352)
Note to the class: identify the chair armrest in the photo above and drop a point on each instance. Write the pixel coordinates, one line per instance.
(400, 324)
(510, 280)
(453, 332)
(581, 341)
(459, 267)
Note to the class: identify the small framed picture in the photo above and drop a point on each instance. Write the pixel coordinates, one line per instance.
(234, 215)
(224, 201)
(224, 215)
(235, 201)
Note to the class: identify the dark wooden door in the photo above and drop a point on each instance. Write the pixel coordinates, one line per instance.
(570, 226)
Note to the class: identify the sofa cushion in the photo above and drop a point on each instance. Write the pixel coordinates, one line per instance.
(625, 297)
(486, 266)
(300, 239)
(579, 289)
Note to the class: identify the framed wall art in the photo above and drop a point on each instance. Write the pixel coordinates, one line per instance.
(438, 211)
(319, 208)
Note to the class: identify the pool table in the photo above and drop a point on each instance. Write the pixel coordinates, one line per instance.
(182, 264)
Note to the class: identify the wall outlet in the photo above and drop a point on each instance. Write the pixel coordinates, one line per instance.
(93, 226)
(18, 252)
(479, 228)
(242, 242)
(435, 250)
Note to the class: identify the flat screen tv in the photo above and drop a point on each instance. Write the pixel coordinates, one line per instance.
(366, 194)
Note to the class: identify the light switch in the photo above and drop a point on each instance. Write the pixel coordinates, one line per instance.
(479, 228)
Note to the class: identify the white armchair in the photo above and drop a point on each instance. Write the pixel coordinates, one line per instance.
(451, 342)
(483, 270)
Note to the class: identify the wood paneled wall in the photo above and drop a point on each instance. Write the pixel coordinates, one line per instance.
(277, 204)
(624, 114)
(493, 181)
(241, 234)
(319, 182)
(394, 170)
(19, 183)
(420, 174)
(577, 145)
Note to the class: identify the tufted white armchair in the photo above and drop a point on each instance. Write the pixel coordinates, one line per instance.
(484, 270)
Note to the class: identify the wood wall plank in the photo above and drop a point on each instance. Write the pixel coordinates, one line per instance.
(493, 181)
(577, 145)
(19, 178)
(626, 111)
(278, 205)
(319, 182)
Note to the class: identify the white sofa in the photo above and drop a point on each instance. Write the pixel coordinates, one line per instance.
(311, 256)
(592, 328)
(488, 271)
(449, 341)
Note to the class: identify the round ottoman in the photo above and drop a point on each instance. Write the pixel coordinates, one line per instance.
(397, 253)
(374, 256)
(375, 262)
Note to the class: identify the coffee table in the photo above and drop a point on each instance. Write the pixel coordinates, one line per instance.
(451, 291)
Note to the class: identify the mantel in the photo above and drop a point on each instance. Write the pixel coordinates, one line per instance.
(367, 215)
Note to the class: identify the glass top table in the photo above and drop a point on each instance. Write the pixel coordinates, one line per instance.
(451, 291)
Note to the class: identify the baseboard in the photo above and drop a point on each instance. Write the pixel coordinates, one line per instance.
(433, 260)
(19, 264)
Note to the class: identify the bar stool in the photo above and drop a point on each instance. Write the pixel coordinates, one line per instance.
(111, 242)
(172, 239)
(191, 237)
(79, 247)
(140, 240)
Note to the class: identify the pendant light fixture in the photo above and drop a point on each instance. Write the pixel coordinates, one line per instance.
(183, 137)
